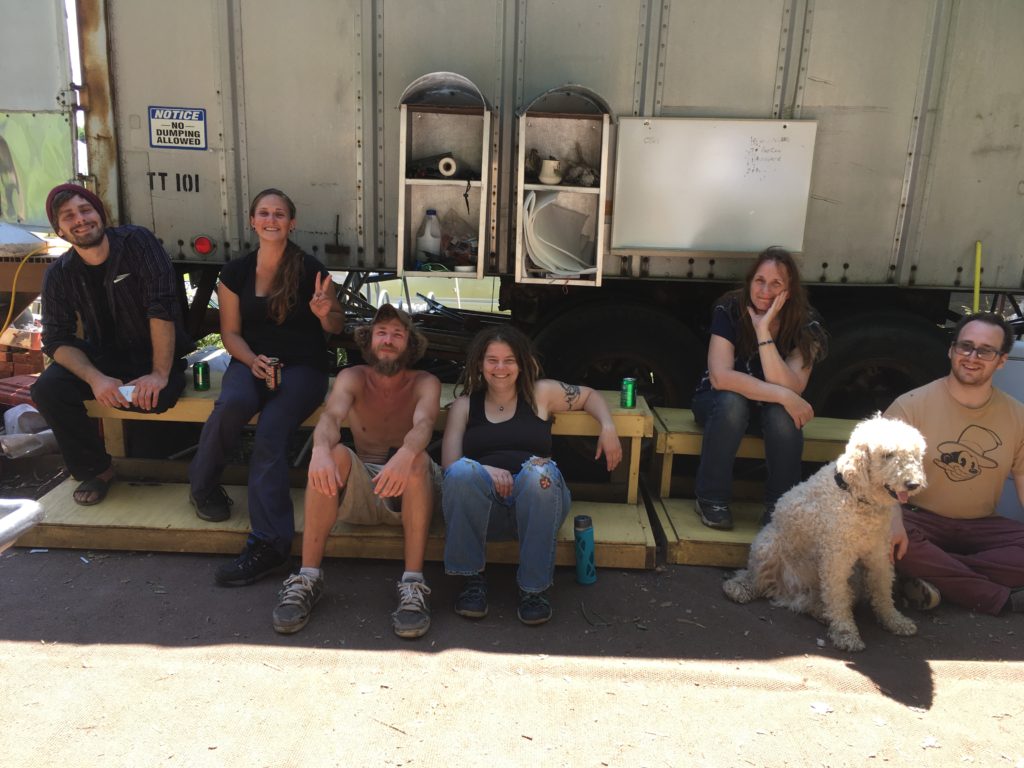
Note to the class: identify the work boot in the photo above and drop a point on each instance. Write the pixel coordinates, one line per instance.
(257, 560)
(412, 617)
(298, 596)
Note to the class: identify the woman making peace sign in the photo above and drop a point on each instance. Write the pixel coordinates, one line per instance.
(274, 302)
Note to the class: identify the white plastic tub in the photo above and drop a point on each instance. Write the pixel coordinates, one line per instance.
(16, 517)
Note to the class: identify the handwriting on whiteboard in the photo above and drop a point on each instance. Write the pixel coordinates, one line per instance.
(764, 155)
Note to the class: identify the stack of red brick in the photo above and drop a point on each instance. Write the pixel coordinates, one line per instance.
(15, 361)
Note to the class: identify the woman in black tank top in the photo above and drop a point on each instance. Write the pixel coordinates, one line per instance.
(275, 303)
(500, 482)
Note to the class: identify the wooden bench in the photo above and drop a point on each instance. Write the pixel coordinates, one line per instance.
(690, 542)
(632, 424)
(676, 432)
(154, 514)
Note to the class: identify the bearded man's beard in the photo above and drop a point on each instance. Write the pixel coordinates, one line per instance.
(386, 367)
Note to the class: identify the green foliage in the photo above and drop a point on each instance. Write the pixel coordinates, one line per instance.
(211, 340)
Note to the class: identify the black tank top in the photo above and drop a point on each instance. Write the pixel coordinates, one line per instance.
(508, 444)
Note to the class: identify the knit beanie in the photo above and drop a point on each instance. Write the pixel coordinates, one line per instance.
(79, 190)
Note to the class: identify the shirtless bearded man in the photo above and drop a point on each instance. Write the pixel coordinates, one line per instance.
(387, 479)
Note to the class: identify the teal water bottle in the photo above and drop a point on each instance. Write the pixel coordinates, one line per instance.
(583, 527)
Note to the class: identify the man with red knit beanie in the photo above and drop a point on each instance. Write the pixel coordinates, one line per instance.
(119, 283)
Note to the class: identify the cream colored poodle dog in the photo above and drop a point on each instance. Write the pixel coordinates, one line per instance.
(806, 558)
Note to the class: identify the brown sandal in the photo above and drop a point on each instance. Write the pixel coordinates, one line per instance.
(97, 485)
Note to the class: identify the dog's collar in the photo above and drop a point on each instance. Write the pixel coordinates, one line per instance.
(846, 487)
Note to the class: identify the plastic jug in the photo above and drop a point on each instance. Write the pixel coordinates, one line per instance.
(428, 242)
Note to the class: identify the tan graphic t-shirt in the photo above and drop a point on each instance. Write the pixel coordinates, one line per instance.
(970, 451)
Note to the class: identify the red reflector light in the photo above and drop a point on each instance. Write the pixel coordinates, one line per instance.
(203, 245)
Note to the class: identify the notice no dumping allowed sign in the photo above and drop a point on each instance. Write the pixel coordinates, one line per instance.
(177, 127)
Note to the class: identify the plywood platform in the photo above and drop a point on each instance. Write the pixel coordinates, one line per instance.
(158, 517)
(690, 542)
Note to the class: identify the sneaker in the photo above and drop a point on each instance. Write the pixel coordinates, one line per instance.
(215, 508)
(472, 601)
(920, 594)
(298, 596)
(534, 607)
(257, 560)
(713, 514)
(412, 617)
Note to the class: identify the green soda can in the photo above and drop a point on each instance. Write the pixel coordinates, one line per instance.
(201, 376)
(627, 395)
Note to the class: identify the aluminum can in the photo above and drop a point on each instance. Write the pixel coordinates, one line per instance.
(583, 528)
(274, 377)
(201, 376)
(627, 395)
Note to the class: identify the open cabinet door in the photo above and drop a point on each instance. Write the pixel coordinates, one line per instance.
(37, 128)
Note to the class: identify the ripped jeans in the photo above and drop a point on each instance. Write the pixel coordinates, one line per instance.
(474, 514)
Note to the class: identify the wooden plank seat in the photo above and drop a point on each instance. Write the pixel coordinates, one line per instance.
(690, 542)
(676, 432)
(632, 424)
(157, 517)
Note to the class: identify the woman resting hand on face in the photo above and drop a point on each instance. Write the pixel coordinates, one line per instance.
(764, 341)
(500, 482)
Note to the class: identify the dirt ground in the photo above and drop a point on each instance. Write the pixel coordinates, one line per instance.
(137, 659)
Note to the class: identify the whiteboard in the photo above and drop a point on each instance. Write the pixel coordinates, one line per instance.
(711, 185)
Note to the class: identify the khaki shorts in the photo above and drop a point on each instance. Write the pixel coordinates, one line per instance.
(359, 505)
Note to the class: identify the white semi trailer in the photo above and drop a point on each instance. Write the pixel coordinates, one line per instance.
(915, 155)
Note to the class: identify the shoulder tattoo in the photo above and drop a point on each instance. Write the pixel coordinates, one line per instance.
(572, 393)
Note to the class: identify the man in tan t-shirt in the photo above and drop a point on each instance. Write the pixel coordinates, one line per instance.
(951, 542)
(388, 479)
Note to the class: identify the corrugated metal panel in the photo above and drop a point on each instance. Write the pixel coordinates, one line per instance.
(975, 182)
(300, 112)
(168, 55)
(580, 41)
(863, 73)
(720, 58)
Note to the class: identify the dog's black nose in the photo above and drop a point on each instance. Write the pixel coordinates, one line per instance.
(913, 486)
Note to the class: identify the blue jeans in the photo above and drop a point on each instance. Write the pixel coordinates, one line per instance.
(726, 417)
(475, 514)
(242, 396)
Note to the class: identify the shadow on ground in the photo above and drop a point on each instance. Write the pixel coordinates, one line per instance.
(675, 612)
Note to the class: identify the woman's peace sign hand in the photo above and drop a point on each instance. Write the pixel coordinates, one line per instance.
(320, 304)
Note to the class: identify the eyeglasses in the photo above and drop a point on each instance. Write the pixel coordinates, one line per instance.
(966, 349)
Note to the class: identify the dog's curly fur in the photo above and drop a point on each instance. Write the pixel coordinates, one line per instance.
(805, 559)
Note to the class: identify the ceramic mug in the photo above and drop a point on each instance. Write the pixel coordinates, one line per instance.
(550, 172)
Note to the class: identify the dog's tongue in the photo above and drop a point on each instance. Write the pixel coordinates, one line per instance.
(903, 496)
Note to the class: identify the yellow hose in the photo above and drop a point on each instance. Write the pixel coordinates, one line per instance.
(14, 285)
(977, 274)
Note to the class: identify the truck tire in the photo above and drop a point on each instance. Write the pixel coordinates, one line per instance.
(872, 360)
(599, 345)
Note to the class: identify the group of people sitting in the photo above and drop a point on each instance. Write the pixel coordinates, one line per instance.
(497, 479)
